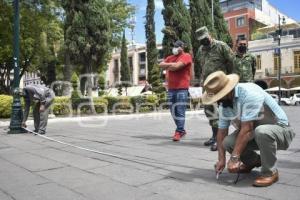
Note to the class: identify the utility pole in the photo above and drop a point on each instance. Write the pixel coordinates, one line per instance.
(278, 52)
(17, 114)
(212, 13)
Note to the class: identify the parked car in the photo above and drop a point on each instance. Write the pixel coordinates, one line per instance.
(283, 100)
(295, 99)
(275, 96)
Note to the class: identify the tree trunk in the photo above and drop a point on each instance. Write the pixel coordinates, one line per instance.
(67, 75)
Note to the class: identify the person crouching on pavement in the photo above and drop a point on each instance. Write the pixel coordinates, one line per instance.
(178, 68)
(261, 124)
(41, 98)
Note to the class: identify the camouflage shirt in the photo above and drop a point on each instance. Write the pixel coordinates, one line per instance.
(217, 57)
(245, 67)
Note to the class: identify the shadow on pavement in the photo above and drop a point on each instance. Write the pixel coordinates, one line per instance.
(208, 176)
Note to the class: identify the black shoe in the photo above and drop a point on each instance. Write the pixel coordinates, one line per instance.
(214, 147)
(209, 142)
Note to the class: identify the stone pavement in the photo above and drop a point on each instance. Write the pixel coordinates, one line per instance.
(152, 166)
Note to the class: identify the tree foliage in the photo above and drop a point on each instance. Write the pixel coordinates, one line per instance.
(87, 36)
(200, 16)
(92, 29)
(220, 27)
(200, 12)
(40, 38)
(152, 52)
(125, 71)
(177, 25)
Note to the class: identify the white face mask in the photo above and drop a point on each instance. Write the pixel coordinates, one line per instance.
(175, 51)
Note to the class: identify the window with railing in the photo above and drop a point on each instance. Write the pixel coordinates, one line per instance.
(297, 61)
(240, 21)
(258, 62)
(276, 63)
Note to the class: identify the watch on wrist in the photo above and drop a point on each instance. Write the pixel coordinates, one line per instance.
(235, 158)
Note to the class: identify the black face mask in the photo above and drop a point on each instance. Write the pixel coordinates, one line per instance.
(242, 49)
(226, 103)
(205, 42)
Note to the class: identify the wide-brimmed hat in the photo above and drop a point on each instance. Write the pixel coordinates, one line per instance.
(217, 85)
(202, 33)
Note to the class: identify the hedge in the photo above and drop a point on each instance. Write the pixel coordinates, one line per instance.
(62, 106)
(5, 106)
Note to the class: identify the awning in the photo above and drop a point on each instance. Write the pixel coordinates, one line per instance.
(294, 88)
(274, 89)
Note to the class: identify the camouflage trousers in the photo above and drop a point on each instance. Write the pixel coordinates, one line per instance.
(212, 114)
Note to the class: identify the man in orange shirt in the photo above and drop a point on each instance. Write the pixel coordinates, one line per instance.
(178, 68)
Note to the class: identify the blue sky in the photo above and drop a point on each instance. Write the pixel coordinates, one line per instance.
(288, 7)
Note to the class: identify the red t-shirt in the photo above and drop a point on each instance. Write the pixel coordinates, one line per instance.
(179, 79)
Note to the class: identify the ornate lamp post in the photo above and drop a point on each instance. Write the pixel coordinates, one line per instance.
(16, 116)
(281, 20)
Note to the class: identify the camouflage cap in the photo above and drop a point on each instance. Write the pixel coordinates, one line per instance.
(202, 33)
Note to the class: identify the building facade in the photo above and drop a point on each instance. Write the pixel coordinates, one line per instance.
(30, 78)
(137, 60)
(268, 62)
(244, 17)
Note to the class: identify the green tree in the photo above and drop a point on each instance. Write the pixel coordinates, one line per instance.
(101, 84)
(200, 16)
(88, 36)
(220, 27)
(38, 21)
(177, 25)
(157, 85)
(152, 52)
(125, 71)
(75, 98)
(119, 11)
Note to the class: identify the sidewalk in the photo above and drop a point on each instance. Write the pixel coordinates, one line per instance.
(147, 164)
(75, 118)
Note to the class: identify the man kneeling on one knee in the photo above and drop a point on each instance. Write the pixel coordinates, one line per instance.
(260, 124)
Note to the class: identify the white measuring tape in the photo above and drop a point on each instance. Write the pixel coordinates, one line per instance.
(144, 162)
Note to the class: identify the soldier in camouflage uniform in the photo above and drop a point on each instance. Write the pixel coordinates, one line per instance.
(244, 62)
(214, 56)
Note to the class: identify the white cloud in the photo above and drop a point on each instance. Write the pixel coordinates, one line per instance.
(159, 4)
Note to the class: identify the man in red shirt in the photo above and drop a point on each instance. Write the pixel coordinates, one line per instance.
(178, 67)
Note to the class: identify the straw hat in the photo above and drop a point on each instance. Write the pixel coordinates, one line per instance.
(217, 85)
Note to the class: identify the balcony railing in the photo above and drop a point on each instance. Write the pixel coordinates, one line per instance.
(236, 6)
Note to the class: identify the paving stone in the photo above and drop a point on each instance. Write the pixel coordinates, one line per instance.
(127, 175)
(32, 162)
(72, 177)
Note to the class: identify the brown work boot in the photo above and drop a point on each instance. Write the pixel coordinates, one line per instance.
(264, 181)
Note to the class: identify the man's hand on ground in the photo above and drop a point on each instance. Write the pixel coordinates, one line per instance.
(233, 166)
(219, 166)
(42, 108)
(24, 125)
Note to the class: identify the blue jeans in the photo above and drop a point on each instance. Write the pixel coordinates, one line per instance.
(178, 100)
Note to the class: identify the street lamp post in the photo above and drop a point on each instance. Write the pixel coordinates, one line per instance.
(16, 115)
(212, 13)
(279, 54)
